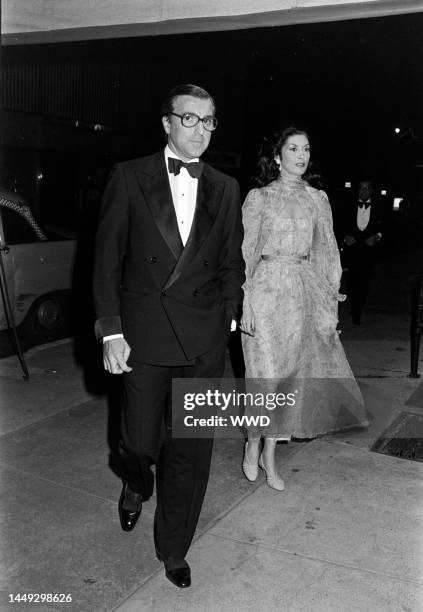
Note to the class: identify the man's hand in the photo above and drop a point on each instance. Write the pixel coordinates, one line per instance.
(248, 325)
(371, 241)
(115, 355)
(349, 240)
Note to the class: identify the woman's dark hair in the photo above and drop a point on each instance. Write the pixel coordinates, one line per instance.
(184, 90)
(268, 169)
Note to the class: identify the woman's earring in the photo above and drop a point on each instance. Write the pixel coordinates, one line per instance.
(278, 162)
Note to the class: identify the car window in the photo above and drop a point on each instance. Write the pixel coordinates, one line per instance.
(17, 230)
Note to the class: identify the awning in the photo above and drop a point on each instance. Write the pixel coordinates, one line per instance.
(45, 21)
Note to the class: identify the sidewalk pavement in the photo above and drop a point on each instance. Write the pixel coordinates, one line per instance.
(345, 535)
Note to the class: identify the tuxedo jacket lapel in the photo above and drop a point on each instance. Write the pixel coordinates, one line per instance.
(209, 196)
(154, 183)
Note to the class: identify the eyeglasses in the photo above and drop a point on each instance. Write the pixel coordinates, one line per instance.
(190, 120)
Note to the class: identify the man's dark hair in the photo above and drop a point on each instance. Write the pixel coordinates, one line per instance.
(184, 90)
(365, 180)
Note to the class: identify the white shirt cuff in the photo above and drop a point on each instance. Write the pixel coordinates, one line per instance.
(112, 337)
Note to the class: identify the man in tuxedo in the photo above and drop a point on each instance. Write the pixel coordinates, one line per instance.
(167, 285)
(362, 236)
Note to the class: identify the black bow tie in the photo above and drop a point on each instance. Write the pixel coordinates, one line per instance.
(365, 204)
(175, 165)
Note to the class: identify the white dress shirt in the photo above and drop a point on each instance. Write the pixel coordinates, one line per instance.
(184, 195)
(363, 215)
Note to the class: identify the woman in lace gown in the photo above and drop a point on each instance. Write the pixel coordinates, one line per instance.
(289, 339)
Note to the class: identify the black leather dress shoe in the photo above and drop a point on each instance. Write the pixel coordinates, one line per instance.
(177, 570)
(129, 499)
(179, 576)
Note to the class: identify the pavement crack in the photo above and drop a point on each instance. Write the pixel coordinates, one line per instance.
(58, 484)
(292, 553)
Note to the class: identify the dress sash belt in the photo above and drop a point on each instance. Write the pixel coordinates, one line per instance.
(291, 258)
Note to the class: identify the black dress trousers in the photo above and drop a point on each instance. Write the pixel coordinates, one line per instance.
(182, 464)
(360, 264)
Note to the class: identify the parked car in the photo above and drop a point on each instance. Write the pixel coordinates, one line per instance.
(36, 272)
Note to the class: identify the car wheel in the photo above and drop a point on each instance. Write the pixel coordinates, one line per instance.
(45, 320)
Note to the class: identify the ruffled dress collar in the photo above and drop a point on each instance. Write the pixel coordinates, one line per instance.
(290, 182)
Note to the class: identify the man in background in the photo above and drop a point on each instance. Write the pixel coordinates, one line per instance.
(362, 235)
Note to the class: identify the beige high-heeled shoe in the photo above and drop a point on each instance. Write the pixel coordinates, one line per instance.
(273, 479)
(250, 469)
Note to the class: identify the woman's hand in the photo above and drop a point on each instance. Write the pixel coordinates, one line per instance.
(247, 324)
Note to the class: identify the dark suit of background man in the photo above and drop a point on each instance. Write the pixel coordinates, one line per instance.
(362, 235)
(167, 284)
